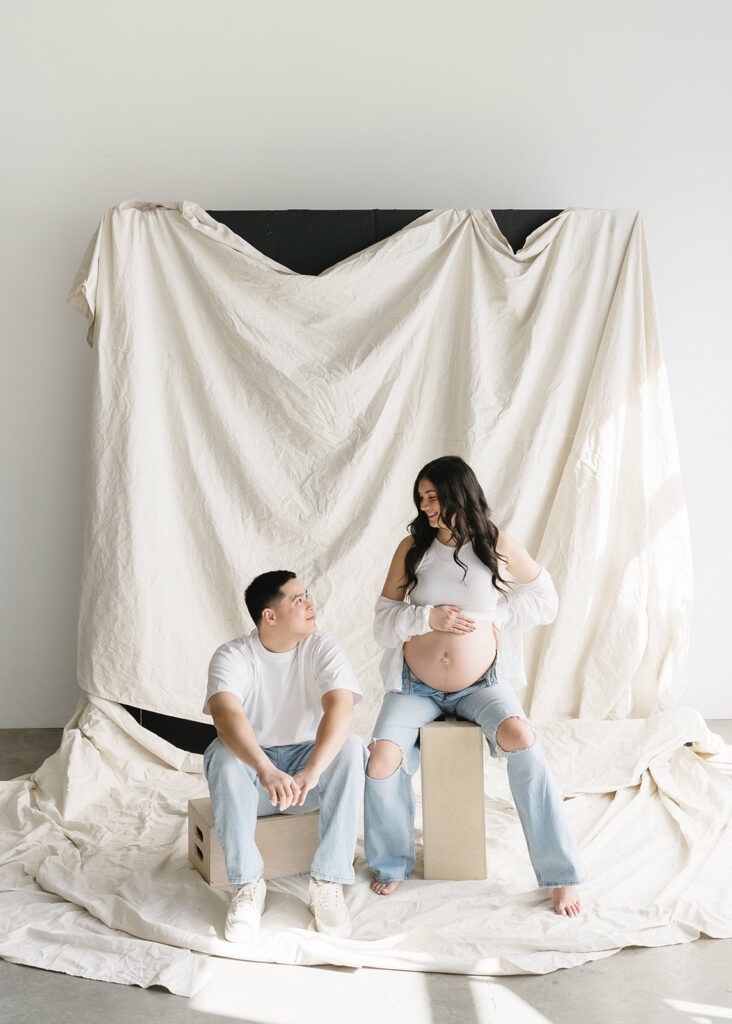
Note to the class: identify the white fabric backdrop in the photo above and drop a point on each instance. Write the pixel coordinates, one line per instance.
(246, 417)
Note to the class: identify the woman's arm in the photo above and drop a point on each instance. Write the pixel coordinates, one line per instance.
(395, 621)
(396, 578)
(518, 560)
(533, 600)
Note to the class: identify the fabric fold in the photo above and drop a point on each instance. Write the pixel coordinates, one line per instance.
(247, 418)
(262, 407)
(95, 879)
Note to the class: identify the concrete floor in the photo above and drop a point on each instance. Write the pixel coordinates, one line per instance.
(685, 984)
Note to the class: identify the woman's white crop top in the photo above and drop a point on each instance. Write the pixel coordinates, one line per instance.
(440, 581)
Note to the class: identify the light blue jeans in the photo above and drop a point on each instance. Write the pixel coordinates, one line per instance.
(238, 799)
(389, 803)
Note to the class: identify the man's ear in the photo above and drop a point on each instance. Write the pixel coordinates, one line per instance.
(269, 615)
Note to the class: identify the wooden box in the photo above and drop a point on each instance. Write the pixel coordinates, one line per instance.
(453, 816)
(287, 843)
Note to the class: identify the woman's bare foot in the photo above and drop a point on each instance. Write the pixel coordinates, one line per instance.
(384, 888)
(567, 901)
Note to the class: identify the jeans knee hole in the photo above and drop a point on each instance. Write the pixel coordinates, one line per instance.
(515, 750)
(383, 778)
(402, 762)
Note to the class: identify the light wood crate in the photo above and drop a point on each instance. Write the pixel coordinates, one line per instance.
(453, 815)
(287, 843)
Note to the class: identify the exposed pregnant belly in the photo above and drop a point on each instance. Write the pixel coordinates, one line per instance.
(446, 661)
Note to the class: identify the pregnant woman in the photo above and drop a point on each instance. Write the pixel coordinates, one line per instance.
(442, 656)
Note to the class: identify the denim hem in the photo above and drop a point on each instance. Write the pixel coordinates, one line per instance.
(387, 880)
(559, 885)
(338, 881)
(246, 881)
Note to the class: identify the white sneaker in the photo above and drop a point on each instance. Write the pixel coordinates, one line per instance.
(245, 910)
(329, 908)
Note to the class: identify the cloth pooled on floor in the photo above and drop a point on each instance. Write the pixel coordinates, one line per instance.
(96, 881)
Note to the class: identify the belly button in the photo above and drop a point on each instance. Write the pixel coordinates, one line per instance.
(444, 659)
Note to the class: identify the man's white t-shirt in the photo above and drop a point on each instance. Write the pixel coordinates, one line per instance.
(280, 693)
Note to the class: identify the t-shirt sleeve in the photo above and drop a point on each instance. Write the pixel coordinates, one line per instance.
(332, 669)
(229, 671)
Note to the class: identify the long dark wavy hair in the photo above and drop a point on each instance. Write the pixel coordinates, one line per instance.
(460, 496)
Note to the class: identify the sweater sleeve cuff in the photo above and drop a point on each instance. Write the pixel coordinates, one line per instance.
(423, 619)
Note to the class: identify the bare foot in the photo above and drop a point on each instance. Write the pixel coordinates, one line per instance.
(384, 888)
(567, 901)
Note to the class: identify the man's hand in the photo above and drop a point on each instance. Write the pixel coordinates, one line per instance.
(306, 779)
(282, 788)
(447, 618)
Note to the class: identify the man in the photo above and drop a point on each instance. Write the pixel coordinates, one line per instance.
(282, 701)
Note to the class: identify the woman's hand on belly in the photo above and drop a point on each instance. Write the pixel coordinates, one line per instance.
(447, 618)
(451, 661)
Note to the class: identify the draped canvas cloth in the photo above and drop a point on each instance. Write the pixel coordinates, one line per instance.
(95, 879)
(249, 418)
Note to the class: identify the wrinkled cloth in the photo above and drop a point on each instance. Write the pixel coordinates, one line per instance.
(95, 880)
(246, 418)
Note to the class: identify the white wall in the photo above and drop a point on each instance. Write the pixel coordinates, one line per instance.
(324, 104)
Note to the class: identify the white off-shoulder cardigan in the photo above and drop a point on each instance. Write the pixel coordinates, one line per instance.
(527, 605)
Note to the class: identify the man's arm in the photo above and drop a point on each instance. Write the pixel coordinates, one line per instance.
(333, 731)
(235, 732)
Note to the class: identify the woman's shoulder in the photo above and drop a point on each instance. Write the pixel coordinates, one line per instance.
(404, 545)
(505, 543)
(396, 577)
(408, 544)
(519, 562)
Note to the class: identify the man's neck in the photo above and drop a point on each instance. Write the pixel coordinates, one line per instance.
(277, 643)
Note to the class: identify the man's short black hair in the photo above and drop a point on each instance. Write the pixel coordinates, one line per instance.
(265, 592)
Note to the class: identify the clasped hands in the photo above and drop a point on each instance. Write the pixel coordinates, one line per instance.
(287, 790)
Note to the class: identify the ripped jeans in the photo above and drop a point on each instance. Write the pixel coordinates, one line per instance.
(389, 803)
